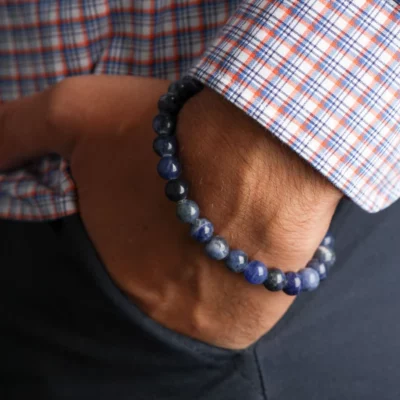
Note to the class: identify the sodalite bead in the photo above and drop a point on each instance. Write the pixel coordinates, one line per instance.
(165, 145)
(256, 272)
(276, 280)
(164, 124)
(293, 284)
(319, 267)
(325, 255)
(237, 261)
(328, 241)
(309, 279)
(187, 211)
(169, 168)
(186, 88)
(202, 230)
(169, 103)
(217, 248)
(176, 190)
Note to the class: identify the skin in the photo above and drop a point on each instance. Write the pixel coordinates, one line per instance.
(260, 196)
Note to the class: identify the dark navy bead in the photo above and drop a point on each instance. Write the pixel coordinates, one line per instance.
(187, 211)
(325, 255)
(309, 279)
(202, 230)
(217, 248)
(169, 168)
(169, 103)
(328, 241)
(276, 280)
(164, 124)
(256, 272)
(165, 145)
(173, 88)
(187, 87)
(319, 267)
(176, 190)
(237, 260)
(293, 284)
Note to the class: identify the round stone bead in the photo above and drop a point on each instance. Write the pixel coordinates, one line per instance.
(325, 255)
(169, 168)
(164, 124)
(176, 190)
(169, 103)
(309, 279)
(202, 230)
(217, 248)
(276, 280)
(328, 241)
(293, 284)
(237, 260)
(256, 272)
(186, 88)
(165, 145)
(319, 267)
(187, 211)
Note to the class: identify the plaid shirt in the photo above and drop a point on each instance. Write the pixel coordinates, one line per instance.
(321, 75)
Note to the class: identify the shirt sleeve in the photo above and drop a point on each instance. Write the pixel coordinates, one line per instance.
(324, 77)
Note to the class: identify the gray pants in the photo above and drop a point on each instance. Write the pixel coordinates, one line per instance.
(67, 332)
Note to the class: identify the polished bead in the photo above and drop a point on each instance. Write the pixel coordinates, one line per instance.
(276, 280)
(328, 241)
(176, 189)
(309, 279)
(293, 284)
(325, 255)
(173, 88)
(187, 211)
(217, 248)
(186, 88)
(319, 267)
(169, 103)
(169, 168)
(256, 272)
(165, 145)
(202, 230)
(237, 260)
(164, 124)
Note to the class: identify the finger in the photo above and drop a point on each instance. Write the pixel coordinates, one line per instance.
(55, 120)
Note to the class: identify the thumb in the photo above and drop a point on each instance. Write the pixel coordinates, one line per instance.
(28, 129)
(54, 120)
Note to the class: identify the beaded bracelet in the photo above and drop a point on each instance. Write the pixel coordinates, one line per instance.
(202, 230)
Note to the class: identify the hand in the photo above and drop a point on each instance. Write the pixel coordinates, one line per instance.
(260, 196)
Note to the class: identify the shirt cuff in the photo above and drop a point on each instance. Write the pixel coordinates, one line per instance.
(324, 77)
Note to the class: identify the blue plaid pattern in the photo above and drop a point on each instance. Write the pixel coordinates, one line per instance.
(323, 76)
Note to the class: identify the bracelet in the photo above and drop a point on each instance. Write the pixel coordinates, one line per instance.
(201, 229)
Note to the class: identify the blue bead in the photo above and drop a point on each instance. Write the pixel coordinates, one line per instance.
(276, 280)
(169, 168)
(319, 267)
(202, 230)
(185, 88)
(176, 189)
(169, 103)
(164, 124)
(256, 272)
(165, 145)
(217, 248)
(237, 261)
(187, 211)
(328, 241)
(309, 279)
(325, 255)
(293, 284)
